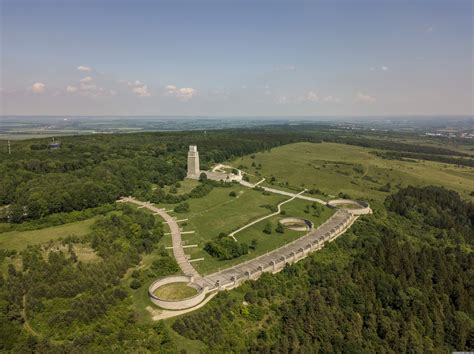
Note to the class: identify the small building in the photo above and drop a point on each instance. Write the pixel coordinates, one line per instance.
(54, 145)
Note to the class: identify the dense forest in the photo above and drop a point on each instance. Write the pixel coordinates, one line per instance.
(390, 286)
(399, 280)
(82, 304)
(398, 283)
(89, 171)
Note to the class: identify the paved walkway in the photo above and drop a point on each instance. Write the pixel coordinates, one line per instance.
(178, 250)
(278, 191)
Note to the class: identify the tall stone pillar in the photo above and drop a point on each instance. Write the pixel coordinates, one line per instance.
(193, 162)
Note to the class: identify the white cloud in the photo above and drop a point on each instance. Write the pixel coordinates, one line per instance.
(139, 88)
(283, 100)
(381, 68)
(88, 87)
(38, 87)
(91, 90)
(331, 99)
(312, 96)
(141, 91)
(430, 29)
(84, 68)
(86, 79)
(184, 93)
(364, 98)
(71, 89)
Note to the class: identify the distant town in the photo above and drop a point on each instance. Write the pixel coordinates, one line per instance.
(27, 127)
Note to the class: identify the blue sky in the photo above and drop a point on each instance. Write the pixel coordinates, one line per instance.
(236, 58)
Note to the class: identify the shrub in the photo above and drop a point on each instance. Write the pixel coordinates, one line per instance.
(268, 228)
(182, 208)
(270, 207)
(280, 228)
(135, 284)
(225, 248)
(173, 190)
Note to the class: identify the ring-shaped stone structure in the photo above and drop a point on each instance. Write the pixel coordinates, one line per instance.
(296, 224)
(355, 207)
(177, 304)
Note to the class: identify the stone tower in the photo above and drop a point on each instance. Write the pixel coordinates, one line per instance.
(193, 162)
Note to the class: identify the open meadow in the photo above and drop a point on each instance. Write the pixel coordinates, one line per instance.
(338, 168)
(18, 240)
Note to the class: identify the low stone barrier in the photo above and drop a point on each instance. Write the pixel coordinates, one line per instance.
(177, 304)
(296, 224)
(362, 207)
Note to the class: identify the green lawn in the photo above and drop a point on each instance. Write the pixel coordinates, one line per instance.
(335, 168)
(186, 186)
(218, 212)
(175, 291)
(265, 242)
(18, 240)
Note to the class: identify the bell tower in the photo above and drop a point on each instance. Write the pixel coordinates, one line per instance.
(193, 162)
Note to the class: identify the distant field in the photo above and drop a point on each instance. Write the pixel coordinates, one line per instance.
(335, 168)
(18, 240)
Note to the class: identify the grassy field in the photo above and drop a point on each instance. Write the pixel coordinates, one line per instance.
(18, 240)
(218, 212)
(334, 168)
(175, 291)
(186, 186)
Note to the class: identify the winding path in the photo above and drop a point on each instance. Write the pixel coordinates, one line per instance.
(278, 191)
(266, 216)
(178, 250)
(26, 324)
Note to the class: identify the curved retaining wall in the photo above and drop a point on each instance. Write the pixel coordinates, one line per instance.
(177, 304)
(364, 207)
(276, 260)
(305, 225)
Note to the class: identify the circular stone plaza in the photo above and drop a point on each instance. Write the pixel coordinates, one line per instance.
(194, 290)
